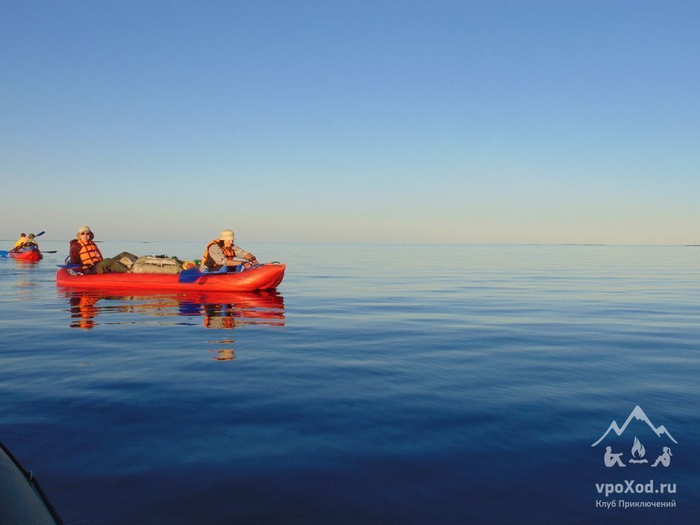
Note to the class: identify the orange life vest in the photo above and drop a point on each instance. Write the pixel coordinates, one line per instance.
(89, 254)
(230, 254)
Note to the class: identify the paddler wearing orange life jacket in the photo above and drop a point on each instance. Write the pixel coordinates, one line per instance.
(222, 252)
(84, 252)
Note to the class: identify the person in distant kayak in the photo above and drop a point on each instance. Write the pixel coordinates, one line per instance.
(31, 241)
(85, 253)
(21, 242)
(221, 253)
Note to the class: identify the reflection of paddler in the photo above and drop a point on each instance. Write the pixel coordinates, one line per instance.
(220, 316)
(83, 308)
(225, 354)
(219, 322)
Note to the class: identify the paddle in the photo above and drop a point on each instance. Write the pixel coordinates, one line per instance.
(189, 276)
(4, 253)
(42, 232)
(193, 274)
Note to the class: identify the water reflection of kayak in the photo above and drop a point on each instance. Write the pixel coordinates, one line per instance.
(236, 309)
(217, 309)
(31, 254)
(262, 277)
(21, 498)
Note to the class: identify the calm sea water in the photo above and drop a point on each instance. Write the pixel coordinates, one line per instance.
(379, 384)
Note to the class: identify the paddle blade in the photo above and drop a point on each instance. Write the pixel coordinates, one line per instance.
(189, 276)
(3, 253)
(42, 232)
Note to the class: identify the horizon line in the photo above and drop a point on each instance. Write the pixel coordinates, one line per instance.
(594, 244)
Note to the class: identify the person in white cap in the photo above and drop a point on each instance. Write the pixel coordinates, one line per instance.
(85, 253)
(222, 252)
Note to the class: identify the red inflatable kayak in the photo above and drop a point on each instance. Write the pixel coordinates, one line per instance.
(262, 277)
(26, 254)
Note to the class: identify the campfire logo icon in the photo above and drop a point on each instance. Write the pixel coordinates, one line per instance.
(638, 451)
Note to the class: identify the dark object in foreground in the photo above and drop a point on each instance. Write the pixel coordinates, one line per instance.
(22, 500)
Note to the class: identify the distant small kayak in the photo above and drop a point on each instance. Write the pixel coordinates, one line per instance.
(21, 498)
(30, 254)
(262, 277)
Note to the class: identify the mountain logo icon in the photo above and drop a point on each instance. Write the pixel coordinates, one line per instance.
(639, 415)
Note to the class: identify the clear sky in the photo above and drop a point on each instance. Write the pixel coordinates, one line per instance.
(383, 121)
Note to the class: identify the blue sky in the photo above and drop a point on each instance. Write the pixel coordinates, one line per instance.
(395, 121)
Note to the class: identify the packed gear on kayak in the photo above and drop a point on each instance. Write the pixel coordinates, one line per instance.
(157, 264)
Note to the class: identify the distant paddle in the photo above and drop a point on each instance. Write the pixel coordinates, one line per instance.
(42, 232)
(4, 253)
